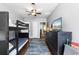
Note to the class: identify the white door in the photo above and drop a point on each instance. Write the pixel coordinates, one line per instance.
(36, 29)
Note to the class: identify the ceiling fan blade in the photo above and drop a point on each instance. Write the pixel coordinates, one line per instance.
(38, 13)
(27, 11)
(29, 14)
(33, 5)
(35, 15)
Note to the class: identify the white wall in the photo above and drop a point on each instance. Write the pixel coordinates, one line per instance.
(70, 14)
(11, 17)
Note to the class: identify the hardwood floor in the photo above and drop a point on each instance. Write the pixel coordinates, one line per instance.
(24, 49)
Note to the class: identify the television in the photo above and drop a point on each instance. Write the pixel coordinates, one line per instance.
(57, 24)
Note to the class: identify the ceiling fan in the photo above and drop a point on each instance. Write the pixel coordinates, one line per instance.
(33, 11)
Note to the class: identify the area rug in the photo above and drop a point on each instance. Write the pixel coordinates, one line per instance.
(37, 47)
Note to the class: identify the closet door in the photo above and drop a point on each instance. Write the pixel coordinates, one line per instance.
(4, 17)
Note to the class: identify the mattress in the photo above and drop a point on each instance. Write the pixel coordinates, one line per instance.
(21, 43)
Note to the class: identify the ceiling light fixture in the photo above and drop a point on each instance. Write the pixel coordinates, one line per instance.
(33, 12)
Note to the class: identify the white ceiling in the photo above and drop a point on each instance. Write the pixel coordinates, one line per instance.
(19, 9)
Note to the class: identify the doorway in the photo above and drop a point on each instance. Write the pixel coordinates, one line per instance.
(43, 26)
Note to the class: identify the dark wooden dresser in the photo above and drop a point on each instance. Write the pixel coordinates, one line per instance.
(56, 40)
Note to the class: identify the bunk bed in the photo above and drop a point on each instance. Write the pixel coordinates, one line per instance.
(17, 43)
